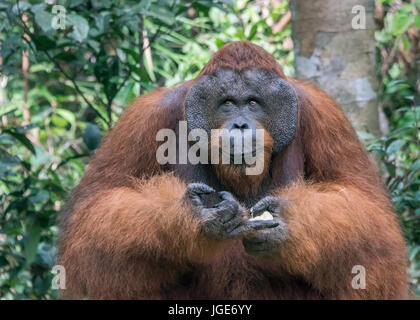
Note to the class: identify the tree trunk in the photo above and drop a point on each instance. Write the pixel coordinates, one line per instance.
(335, 50)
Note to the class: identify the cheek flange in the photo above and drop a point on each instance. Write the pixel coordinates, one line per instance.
(200, 102)
(283, 112)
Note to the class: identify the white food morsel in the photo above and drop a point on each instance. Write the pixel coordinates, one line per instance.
(265, 216)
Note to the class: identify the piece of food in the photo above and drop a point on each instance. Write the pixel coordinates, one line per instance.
(265, 216)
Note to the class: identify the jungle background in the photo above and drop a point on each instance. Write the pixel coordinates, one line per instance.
(62, 89)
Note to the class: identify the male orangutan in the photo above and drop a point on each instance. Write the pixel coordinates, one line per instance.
(136, 229)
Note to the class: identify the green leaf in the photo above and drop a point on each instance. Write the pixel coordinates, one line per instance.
(417, 21)
(253, 31)
(20, 7)
(43, 43)
(47, 253)
(92, 136)
(142, 6)
(395, 146)
(398, 23)
(75, 3)
(58, 121)
(95, 45)
(66, 56)
(219, 43)
(6, 139)
(390, 167)
(66, 114)
(413, 252)
(132, 53)
(39, 197)
(9, 160)
(40, 158)
(42, 18)
(80, 27)
(31, 240)
(160, 13)
(415, 166)
(365, 136)
(406, 43)
(102, 22)
(126, 94)
(407, 9)
(22, 139)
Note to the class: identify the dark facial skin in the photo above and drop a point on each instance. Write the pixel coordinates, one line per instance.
(239, 100)
(249, 99)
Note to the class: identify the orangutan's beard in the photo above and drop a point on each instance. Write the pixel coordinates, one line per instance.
(237, 176)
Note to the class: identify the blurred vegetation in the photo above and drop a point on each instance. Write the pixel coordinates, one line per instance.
(398, 42)
(60, 90)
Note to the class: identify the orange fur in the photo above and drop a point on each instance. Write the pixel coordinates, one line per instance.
(235, 176)
(127, 233)
(134, 226)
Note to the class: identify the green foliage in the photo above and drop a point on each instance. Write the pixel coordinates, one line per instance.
(399, 150)
(30, 189)
(400, 154)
